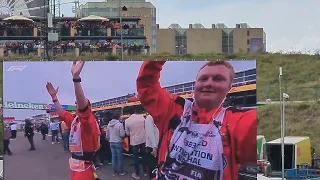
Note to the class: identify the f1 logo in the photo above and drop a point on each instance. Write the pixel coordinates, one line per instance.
(16, 68)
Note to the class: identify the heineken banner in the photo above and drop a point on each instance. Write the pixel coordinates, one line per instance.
(34, 106)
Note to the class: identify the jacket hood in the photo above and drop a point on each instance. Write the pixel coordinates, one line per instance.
(113, 122)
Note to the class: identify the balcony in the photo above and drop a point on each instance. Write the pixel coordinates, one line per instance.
(9, 31)
(139, 31)
(72, 30)
(98, 49)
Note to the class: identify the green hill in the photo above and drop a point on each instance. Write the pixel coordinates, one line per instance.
(301, 80)
(301, 76)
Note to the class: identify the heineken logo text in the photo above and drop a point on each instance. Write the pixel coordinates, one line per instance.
(20, 105)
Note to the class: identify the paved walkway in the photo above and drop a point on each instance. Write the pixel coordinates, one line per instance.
(49, 162)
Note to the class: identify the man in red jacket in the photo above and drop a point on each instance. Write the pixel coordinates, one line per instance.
(199, 139)
(84, 140)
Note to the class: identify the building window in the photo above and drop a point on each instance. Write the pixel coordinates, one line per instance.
(248, 41)
(239, 74)
(225, 49)
(230, 40)
(230, 49)
(250, 72)
(250, 78)
(248, 33)
(248, 50)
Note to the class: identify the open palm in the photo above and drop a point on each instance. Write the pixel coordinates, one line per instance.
(77, 68)
(51, 90)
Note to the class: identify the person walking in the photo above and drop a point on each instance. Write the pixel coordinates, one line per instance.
(44, 131)
(115, 135)
(38, 127)
(65, 136)
(152, 141)
(60, 130)
(134, 128)
(29, 133)
(105, 154)
(6, 140)
(13, 129)
(54, 127)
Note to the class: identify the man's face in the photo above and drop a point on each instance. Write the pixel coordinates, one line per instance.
(212, 85)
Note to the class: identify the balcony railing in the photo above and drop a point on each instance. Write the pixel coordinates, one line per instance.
(72, 29)
(128, 32)
(30, 50)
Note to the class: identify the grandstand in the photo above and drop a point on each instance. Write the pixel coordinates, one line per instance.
(242, 94)
(76, 36)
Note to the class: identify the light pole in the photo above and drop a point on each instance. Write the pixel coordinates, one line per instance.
(282, 121)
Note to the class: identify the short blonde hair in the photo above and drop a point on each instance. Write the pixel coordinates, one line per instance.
(220, 62)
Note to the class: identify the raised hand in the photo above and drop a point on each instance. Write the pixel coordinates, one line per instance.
(77, 68)
(51, 90)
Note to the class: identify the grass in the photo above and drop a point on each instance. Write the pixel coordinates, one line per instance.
(301, 82)
(95, 56)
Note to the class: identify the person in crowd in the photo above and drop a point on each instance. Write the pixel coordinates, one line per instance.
(199, 134)
(44, 131)
(65, 135)
(103, 140)
(13, 129)
(115, 135)
(6, 140)
(29, 133)
(98, 158)
(152, 141)
(84, 140)
(106, 145)
(134, 128)
(104, 152)
(38, 127)
(54, 128)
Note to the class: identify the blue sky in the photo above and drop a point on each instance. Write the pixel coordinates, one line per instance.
(289, 24)
(100, 80)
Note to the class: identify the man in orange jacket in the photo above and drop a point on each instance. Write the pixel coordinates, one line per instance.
(84, 140)
(199, 139)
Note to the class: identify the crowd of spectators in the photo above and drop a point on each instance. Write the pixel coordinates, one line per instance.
(83, 28)
(65, 47)
(16, 29)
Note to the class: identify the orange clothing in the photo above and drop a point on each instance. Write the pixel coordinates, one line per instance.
(89, 137)
(85, 175)
(163, 107)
